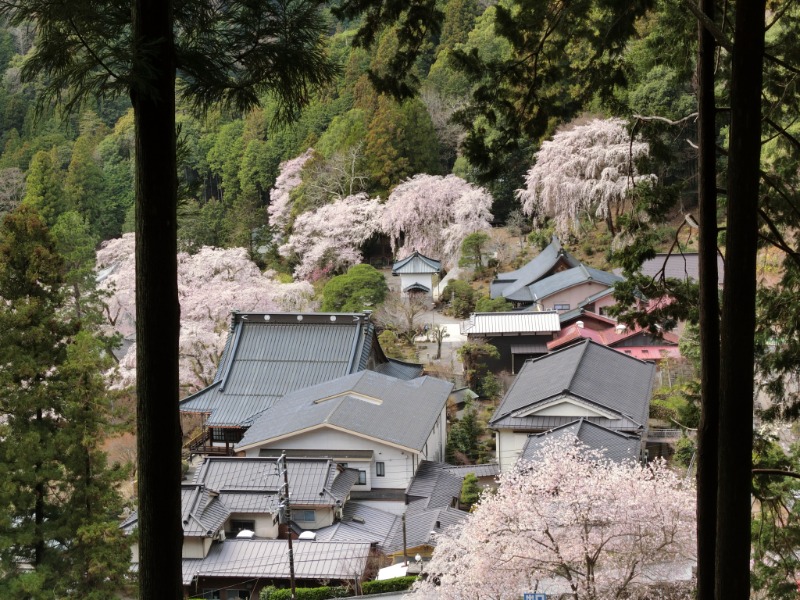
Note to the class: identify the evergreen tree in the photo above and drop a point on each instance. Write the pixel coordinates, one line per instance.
(43, 186)
(58, 503)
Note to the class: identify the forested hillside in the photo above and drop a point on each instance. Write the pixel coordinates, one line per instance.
(351, 142)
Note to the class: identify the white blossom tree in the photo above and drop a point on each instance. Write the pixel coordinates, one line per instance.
(572, 522)
(433, 215)
(329, 239)
(584, 171)
(211, 283)
(280, 200)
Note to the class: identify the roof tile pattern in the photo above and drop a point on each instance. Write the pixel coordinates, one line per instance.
(269, 355)
(588, 372)
(616, 446)
(367, 403)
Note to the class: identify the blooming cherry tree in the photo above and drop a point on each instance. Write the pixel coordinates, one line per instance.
(587, 170)
(329, 238)
(434, 214)
(211, 284)
(289, 177)
(574, 523)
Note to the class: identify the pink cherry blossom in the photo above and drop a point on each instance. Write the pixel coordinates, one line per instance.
(584, 171)
(211, 283)
(329, 238)
(433, 215)
(280, 201)
(575, 523)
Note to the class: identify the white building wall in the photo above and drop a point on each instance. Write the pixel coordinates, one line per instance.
(425, 279)
(399, 465)
(509, 447)
(265, 524)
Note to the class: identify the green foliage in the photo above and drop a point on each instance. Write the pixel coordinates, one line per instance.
(362, 287)
(395, 584)
(470, 490)
(396, 346)
(43, 186)
(59, 500)
(318, 593)
(463, 441)
(487, 304)
(684, 450)
(473, 355)
(472, 249)
(521, 97)
(775, 525)
(490, 387)
(461, 298)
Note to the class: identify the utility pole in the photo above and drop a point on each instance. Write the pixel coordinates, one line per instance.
(405, 551)
(286, 514)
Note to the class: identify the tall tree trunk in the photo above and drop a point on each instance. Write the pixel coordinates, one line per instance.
(709, 314)
(157, 309)
(739, 306)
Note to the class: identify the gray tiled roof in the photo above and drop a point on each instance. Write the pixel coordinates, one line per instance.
(563, 280)
(509, 284)
(269, 355)
(680, 266)
(269, 559)
(511, 322)
(435, 485)
(616, 446)
(423, 524)
(589, 374)
(202, 513)
(361, 522)
(366, 403)
(485, 470)
(312, 481)
(416, 263)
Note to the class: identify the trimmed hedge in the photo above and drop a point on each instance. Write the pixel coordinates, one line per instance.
(317, 593)
(396, 584)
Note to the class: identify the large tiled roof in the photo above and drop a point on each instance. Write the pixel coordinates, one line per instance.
(544, 288)
(435, 485)
(366, 403)
(416, 263)
(615, 445)
(511, 322)
(269, 355)
(312, 481)
(511, 283)
(259, 558)
(680, 265)
(589, 374)
(423, 524)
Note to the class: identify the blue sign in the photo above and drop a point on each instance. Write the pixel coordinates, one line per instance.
(534, 596)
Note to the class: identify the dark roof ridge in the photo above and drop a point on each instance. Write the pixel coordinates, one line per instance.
(578, 366)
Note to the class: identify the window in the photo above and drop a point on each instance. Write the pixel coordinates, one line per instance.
(304, 515)
(211, 594)
(561, 307)
(380, 470)
(343, 465)
(238, 525)
(362, 478)
(220, 434)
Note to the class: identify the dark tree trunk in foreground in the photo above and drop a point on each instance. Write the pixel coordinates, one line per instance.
(709, 314)
(738, 307)
(157, 309)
